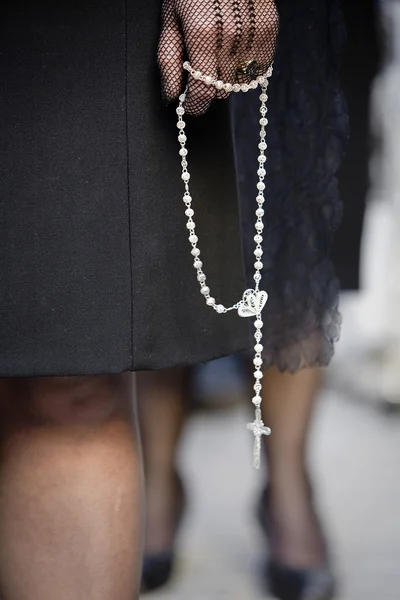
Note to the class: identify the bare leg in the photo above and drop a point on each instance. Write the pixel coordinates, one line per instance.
(287, 408)
(70, 489)
(162, 402)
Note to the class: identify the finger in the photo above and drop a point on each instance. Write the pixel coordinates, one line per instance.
(227, 74)
(200, 95)
(170, 56)
(266, 37)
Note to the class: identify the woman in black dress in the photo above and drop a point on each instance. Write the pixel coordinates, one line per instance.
(307, 135)
(308, 132)
(306, 138)
(95, 271)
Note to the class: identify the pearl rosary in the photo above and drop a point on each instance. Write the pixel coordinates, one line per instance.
(253, 300)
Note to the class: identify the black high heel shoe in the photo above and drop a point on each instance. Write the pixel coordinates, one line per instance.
(158, 568)
(290, 583)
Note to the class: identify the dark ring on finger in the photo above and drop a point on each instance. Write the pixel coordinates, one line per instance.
(248, 69)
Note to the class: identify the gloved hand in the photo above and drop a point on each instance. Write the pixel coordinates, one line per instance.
(218, 38)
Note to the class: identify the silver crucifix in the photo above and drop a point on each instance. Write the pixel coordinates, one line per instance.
(258, 429)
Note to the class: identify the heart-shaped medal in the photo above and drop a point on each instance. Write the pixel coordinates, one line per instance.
(252, 303)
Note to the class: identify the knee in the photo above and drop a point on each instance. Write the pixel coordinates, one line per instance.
(66, 400)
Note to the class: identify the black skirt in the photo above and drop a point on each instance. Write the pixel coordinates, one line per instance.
(96, 274)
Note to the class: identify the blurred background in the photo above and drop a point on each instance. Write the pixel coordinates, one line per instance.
(354, 450)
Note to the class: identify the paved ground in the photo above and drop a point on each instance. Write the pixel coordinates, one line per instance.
(356, 459)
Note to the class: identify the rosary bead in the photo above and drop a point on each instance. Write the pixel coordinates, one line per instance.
(251, 298)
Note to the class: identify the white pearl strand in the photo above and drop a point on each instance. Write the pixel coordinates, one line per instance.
(253, 301)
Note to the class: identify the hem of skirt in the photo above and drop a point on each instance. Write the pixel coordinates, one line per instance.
(150, 364)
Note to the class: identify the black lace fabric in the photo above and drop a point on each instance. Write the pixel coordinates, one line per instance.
(307, 134)
(231, 40)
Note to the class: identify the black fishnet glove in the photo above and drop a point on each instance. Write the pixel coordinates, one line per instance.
(217, 37)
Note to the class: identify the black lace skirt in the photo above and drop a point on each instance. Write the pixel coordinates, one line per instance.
(307, 133)
(325, 64)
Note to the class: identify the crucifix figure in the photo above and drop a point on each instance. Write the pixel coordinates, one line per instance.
(258, 429)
